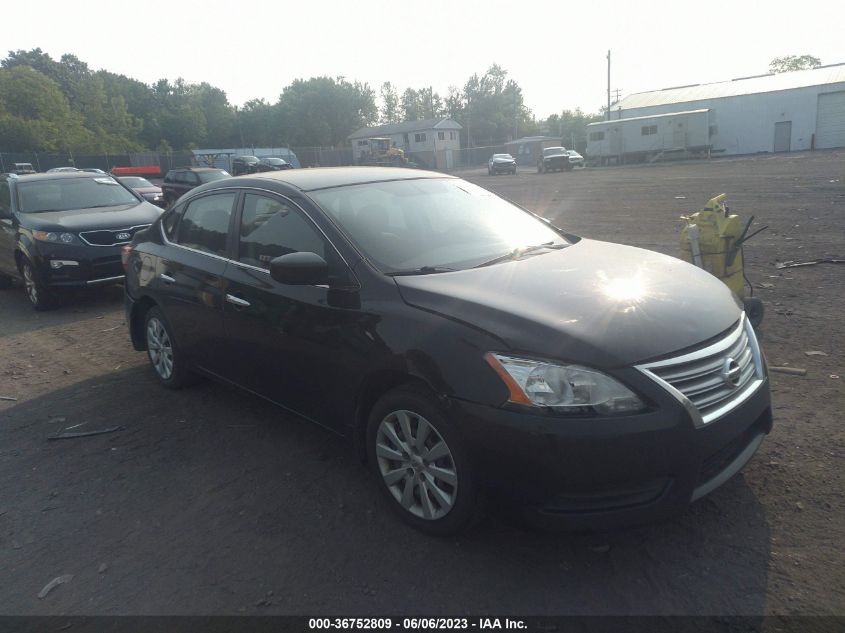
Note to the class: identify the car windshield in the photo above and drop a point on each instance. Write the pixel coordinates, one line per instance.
(211, 176)
(274, 161)
(502, 156)
(431, 224)
(71, 193)
(554, 151)
(136, 182)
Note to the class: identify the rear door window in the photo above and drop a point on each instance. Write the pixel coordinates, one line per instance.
(205, 223)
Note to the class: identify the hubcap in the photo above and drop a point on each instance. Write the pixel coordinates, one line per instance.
(159, 348)
(29, 283)
(416, 465)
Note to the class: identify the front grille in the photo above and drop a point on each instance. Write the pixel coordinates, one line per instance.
(110, 237)
(716, 378)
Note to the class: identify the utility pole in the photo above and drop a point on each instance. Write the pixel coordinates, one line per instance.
(608, 85)
(515, 116)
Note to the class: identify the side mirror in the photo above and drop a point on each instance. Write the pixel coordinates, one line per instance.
(300, 269)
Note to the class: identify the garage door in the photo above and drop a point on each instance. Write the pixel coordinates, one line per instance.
(830, 127)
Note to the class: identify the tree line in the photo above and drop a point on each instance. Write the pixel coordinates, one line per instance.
(63, 105)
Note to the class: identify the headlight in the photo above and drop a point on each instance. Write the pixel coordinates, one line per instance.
(564, 388)
(62, 238)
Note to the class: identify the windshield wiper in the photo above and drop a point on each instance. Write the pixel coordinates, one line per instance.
(519, 252)
(423, 270)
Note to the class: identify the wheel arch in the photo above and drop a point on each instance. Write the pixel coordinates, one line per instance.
(136, 322)
(373, 388)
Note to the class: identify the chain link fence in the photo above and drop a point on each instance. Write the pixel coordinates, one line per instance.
(442, 160)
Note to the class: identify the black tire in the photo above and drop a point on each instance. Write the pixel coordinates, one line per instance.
(490, 172)
(513, 172)
(439, 497)
(168, 362)
(539, 168)
(754, 309)
(38, 293)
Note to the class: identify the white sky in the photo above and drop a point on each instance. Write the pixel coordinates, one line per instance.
(555, 50)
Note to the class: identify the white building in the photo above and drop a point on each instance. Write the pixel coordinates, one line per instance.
(780, 112)
(429, 141)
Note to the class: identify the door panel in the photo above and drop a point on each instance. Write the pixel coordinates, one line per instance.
(296, 345)
(189, 280)
(830, 126)
(299, 346)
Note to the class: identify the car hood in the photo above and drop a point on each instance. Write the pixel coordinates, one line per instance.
(115, 217)
(595, 303)
(147, 190)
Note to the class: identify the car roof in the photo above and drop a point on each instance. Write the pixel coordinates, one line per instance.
(197, 169)
(312, 179)
(60, 175)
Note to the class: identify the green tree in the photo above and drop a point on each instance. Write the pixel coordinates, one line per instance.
(412, 109)
(324, 111)
(389, 104)
(789, 63)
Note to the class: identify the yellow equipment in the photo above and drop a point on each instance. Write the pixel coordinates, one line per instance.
(382, 152)
(712, 239)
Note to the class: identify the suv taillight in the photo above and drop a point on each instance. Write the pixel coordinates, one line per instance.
(125, 252)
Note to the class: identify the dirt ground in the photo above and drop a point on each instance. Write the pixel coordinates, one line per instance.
(208, 501)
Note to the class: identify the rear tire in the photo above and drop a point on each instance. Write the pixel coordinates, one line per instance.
(421, 462)
(169, 363)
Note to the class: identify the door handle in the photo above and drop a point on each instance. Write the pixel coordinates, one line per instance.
(237, 301)
(166, 278)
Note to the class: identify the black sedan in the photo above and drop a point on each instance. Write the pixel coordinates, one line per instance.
(65, 230)
(464, 345)
(501, 163)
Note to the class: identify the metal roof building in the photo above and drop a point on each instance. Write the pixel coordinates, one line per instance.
(791, 111)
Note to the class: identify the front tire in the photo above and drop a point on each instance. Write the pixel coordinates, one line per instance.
(37, 292)
(421, 462)
(166, 358)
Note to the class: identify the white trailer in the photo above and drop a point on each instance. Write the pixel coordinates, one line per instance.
(649, 138)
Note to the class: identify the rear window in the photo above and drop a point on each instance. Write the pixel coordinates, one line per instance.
(211, 176)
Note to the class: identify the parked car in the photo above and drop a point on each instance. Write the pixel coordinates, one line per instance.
(575, 159)
(555, 159)
(272, 163)
(147, 190)
(462, 343)
(183, 179)
(65, 230)
(245, 165)
(22, 169)
(59, 170)
(93, 170)
(499, 163)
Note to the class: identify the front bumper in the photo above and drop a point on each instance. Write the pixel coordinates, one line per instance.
(95, 265)
(601, 473)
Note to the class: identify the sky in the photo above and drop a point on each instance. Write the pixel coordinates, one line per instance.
(556, 51)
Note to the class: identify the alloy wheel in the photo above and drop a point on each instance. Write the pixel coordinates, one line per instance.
(30, 284)
(160, 348)
(416, 465)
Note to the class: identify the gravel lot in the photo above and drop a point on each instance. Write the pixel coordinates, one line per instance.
(209, 501)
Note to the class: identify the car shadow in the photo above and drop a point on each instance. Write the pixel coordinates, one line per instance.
(211, 501)
(17, 315)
